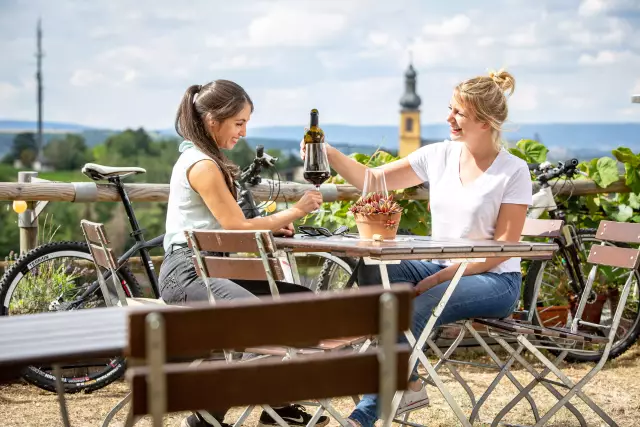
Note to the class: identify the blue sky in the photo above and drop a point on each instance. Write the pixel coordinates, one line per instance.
(120, 63)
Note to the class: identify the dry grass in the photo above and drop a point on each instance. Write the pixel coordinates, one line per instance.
(616, 389)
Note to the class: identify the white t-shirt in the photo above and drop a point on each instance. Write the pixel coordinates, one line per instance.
(470, 211)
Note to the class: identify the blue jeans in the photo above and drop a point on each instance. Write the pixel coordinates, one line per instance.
(480, 295)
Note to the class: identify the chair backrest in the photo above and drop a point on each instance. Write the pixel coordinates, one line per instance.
(103, 258)
(210, 247)
(538, 228)
(612, 256)
(542, 228)
(158, 334)
(96, 238)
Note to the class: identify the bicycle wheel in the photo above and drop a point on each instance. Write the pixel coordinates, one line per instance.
(53, 277)
(322, 271)
(557, 303)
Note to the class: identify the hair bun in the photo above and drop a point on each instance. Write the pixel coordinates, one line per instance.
(504, 80)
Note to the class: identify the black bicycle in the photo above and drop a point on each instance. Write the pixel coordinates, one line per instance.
(564, 277)
(61, 276)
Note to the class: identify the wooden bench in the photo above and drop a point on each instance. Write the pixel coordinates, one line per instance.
(158, 335)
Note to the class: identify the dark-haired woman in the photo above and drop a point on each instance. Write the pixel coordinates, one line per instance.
(203, 195)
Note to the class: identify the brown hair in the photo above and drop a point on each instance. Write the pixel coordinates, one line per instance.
(485, 97)
(217, 100)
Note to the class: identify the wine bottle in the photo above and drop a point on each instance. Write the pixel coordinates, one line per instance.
(316, 169)
(314, 134)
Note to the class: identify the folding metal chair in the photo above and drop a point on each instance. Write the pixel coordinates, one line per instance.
(251, 255)
(564, 339)
(113, 293)
(535, 228)
(104, 260)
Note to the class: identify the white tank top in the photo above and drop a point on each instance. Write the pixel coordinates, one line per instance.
(186, 210)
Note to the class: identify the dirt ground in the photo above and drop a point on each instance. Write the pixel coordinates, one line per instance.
(616, 389)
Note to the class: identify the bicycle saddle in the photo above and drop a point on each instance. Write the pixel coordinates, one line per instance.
(98, 172)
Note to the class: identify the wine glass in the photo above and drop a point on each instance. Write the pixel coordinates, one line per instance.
(316, 165)
(374, 183)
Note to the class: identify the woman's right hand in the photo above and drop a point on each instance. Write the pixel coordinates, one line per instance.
(309, 202)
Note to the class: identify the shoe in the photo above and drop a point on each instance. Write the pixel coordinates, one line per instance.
(294, 415)
(412, 400)
(196, 420)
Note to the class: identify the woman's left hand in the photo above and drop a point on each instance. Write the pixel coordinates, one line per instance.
(425, 284)
(287, 231)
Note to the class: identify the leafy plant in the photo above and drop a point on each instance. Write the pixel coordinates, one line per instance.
(375, 204)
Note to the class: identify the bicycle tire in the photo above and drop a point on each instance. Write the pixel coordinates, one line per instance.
(21, 268)
(328, 271)
(619, 346)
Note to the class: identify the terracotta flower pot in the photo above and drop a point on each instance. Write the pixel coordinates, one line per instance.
(383, 224)
(556, 315)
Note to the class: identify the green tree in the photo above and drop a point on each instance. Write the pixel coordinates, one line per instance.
(67, 153)
(242, 154)
(24, 149)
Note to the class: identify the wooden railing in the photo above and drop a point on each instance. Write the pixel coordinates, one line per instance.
(44, 191)
(287, 191)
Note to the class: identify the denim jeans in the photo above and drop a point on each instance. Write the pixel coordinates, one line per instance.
(480, 295)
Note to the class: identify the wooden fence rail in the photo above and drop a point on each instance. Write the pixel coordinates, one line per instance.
(287, 191)
(31, 190)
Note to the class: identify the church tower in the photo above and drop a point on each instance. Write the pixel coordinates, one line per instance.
(409, 115)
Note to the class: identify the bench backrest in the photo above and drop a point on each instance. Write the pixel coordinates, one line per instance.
(158, 334)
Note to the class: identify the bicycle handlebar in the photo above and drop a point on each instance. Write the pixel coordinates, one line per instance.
(546, 171)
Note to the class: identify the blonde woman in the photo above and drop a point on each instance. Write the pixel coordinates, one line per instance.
(478, 190)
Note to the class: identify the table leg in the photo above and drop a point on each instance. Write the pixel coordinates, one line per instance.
(294, 267)
(417, 345)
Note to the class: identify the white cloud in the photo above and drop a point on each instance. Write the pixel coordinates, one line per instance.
(592, 7)
(239, 62)
(589, 8)
(608, 57)
(524, 98)
(486, 41)
(288, 27)
(457, 25)
(526, 37)
(84, 77)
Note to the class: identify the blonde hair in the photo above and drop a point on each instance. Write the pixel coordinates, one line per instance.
(484, 97)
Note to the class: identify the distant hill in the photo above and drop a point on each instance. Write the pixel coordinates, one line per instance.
(583, 140)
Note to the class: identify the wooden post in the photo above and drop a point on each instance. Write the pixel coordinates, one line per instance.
(28, 221)
(635, 99)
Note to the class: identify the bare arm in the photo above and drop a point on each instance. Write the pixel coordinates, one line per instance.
(509, 227)
(398, 174)
(207, 180)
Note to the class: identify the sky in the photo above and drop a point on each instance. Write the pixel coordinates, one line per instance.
(118, 63)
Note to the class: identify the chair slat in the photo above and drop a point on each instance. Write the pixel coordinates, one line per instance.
(103, 257)
(542, 228)
(240, 268)
(613, 256)
(218, 386)
(626, 232)
(94, 231)
(195, 330)
(232, 241)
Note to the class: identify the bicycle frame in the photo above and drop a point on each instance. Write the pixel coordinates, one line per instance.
(568, 244)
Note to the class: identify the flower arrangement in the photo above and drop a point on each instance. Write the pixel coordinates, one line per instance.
(375, 203)
(377, 216)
